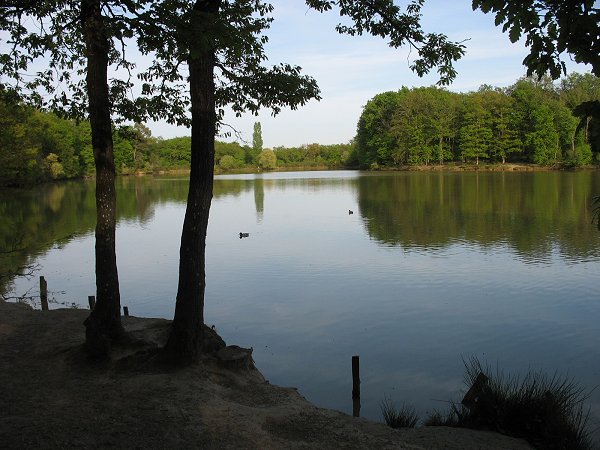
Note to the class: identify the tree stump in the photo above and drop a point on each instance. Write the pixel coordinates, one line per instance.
(236, 358)
(474, 393)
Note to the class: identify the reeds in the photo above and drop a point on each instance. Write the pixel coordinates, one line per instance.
(405, 417)
(547, 411)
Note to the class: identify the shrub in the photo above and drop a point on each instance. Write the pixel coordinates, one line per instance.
(546, 411)
(228, 162)
(267, 160)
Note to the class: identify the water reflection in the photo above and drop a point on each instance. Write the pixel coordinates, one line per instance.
(429, 268)
(536, 214)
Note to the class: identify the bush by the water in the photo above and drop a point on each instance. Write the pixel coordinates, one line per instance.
(547, 411)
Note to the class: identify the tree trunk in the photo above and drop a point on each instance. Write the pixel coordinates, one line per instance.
(186, 335)
(104, 323)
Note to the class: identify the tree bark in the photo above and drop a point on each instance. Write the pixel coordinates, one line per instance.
(186, 336)
(104, 323)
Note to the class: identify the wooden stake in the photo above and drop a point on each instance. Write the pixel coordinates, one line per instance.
(125, 310)
(356, 407)
(92, 301)
(44, 293)
(355, 377)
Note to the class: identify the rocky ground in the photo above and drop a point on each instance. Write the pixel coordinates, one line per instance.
(52, 397)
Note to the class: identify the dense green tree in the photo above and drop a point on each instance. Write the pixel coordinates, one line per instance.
(505, 140)
(227, 162)
(534, 108)
(441, 118)
(581, 94)
(553, 28)
(530, 121)
(475, 131)
(375, 143)
(267, 160)
(233, 149)
(28, 136)
(257, 141)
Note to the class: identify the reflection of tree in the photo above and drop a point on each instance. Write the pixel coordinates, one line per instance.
(532, 212)
(259, 197)
(224, 187)
(56, 213)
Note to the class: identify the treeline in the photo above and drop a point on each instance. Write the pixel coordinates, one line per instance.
(37, 146)
(530, 122)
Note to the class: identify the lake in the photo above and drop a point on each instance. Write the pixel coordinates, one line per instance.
(428, 270)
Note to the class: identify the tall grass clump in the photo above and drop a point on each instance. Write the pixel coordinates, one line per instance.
(546, 411)
(405, 417)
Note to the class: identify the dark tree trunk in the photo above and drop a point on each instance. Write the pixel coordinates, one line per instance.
(185, 339)
(104, 323)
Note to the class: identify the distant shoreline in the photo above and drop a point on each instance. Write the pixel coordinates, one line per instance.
(450, 167)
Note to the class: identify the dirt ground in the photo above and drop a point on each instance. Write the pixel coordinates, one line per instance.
(52, 397)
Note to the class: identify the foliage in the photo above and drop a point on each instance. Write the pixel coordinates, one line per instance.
(37, 146)
(531, 121)
(257, 142)
(267, 160)
(546, 411)
(405, 417)
(227, 162)
(551, 28)
(314, 155)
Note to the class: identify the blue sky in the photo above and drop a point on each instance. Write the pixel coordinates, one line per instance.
(351, 70)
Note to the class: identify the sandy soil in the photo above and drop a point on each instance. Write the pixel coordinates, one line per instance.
(52, 397)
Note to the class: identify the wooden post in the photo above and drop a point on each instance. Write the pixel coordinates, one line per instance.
(126, 311)
(44, 293)
(356, 407)
(355, 377)
(92, 301)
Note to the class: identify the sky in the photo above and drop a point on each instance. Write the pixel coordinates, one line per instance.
(350, 70)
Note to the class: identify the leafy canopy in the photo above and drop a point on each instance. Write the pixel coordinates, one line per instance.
(50, 32)
(551, 27)
(174, 32)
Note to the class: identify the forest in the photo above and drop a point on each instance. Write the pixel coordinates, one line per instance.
(532, 121)
(37, 146)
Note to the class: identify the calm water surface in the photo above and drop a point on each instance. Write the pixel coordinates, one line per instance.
(430, 269)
